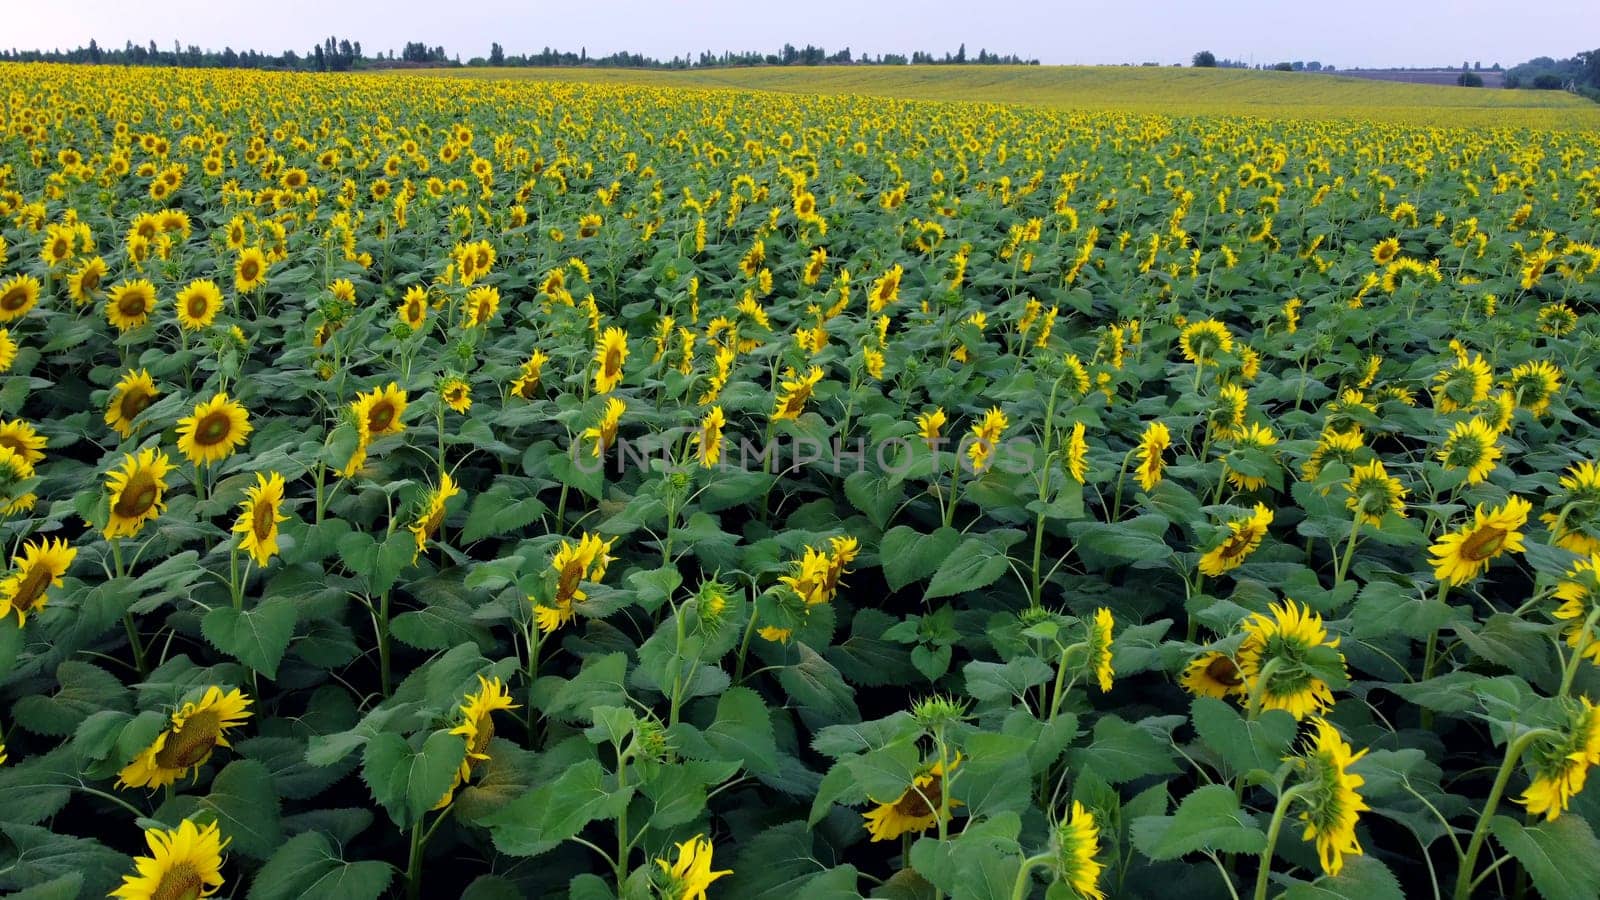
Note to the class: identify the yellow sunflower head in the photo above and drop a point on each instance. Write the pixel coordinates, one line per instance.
(609, 357)
(378, 412)
(249, 270)
(130, 304)
(132, 395)
(1462, 555)
(1286, 658)
(38, 568)
(259, 516)
(136, 488)
(1074, 845)
(198, 304)
(1212, 674)
(1330, 805)
(1473, 446)
(184, 863)
(432, 513)
(688, 877)
(216, 429)
(1202, 342)
(1374, 493)
(456, 393)
(918, 808)
(1243, 536)
(1560, 763)
(18, 295)
(197, 728)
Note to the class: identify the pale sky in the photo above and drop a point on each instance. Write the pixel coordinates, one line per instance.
(1349, 33)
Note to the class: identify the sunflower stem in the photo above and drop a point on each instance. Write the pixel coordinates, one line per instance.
(414, 863)
(383, 642)
(234, 588)
(1019, 888)
(1343, 568)
(1285, 799)
(1514, 751)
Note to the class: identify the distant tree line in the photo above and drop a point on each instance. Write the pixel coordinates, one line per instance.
(1579, 73)
(342, 55)
(1205, 59)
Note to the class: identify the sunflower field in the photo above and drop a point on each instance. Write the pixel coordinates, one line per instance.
(416, 487)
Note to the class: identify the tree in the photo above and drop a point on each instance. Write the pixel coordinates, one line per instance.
(1205, 59)
(1469, 79)
(961, 53)
(497, 55)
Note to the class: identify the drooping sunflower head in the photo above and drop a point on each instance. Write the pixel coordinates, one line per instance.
(1560, 763)
(1251, 458)
(918, 807)
(198, 304)
(1374, 493)
(1076, 456)
(1286, 658)
(38, 568)
(1330, 805)
(456, 393)
(132, 395)
(259, 516)
(1227, 413)
(432, 512)
(688, 877)
(1212, 674)
(1533, 385)
(1074, 845)
(572, 565)
(136, 488)
(1473, 446)
(1579, 593)
(1243, 536)
(1097, 642)
(1462, 555)
(796, 392)
(1202, 342)
(931, 423)
(197, 729)
(130, 304)
(1462, 384)
(1153, 445)
(1575, 525)
(215, 429)
(184, 863)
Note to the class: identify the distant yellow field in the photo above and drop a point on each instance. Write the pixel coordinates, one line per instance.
(1170, 91)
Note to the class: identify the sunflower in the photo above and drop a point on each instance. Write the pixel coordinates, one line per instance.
(986, 436)
(1470, 445)
(688, 877)
(1561, 763)
(259, 516)
(216, 429)
(1244, 536)
(378, 412)
(1201, 342)
(1577, 526)
(136, 489)
(38, 569)
(1533, 384)
(481, 305)
(1227, 413)
(1098, 642)
(1331, 805)
(572, 565)
(930, 424)
(132, 395)
(1076, 454)
(609, 357)
(18, 295)
(1461, 556)
(1462, 385)
(1374, 493)
(197, 729)
(414, 308)
(1212, 674)
(130, 304)
(526, 384)
(477, 729)
(20, 436)
(431, 515)
(604, 432)
(8, 350)
(917, 808)
(1276, 659)
(708, 439)
(185, 862)
(1152, 445)
(796, 392)
(1385, 251)
(249, 270)
(84, 284)
(1076, 844)
(589, 225)
(1579, 593)
(1254, 436)
(198, 304)
(456, 394)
